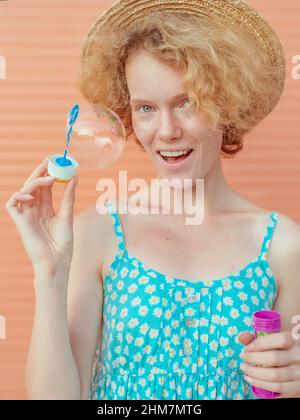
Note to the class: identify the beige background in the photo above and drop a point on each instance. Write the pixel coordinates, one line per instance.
(40, 41)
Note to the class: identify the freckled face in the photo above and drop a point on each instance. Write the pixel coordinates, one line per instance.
(164, 121)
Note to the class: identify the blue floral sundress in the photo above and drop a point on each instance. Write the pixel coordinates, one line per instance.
(168, 338)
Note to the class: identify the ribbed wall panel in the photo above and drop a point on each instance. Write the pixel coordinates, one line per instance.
(41, 42)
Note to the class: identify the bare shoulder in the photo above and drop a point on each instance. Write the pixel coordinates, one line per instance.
(94, 228)
(288, 234)
(285, 250)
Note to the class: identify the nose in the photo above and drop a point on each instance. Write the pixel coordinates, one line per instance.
(169, 128)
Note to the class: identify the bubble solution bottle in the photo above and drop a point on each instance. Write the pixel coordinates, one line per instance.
(264, 323)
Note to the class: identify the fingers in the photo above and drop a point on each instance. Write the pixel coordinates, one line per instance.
(272, 358)
(45, 200)
(12, 203)
(40, 170)
(281, 340)
(279, 374)
(67, 205)
(32, 185)
(287, 388)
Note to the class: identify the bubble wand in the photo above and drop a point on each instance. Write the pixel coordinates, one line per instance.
(71, 120)
(61, 167)
(98, 139)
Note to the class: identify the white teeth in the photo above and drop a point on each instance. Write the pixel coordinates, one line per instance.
(177, 153)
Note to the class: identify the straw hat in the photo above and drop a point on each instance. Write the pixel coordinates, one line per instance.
(126, 13)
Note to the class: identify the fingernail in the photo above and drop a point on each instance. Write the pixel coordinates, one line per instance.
(49, 177)
(242, 355)
(29, 196)
(248, 379)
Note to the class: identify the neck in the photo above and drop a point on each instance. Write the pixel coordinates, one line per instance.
(212, 193)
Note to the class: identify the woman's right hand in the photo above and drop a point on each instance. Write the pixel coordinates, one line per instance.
(47, 237)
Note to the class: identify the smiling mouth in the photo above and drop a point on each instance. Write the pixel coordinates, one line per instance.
(172, 158)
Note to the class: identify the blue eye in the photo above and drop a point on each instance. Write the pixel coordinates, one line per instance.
(148, 106)
(144, 106)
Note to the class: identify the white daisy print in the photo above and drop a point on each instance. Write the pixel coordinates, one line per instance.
(168, 314)
(234, 313)
(147, 350)
(227, 285)
(143, 280)
(243, 296)
(157, 312)
(189, 312)
(186, 361)
(223, 320)
(133, 322)
(153, 333)
(133, 274)
(204, 338)
(213, 345)
(238, 284)
(132, 288)
(175, 339)
(150, 288)
(123, 298)
(167, 331)
(258, 271)
(120, 326)
(136, 301)
(224, 341)
(120, 285)
(255, 300)
(253, 285)
(124, 312)
(154, 300)
(143, 310)
(144, 328)
(231, 331)
(228, 301)
(247, 320)
(203, 322)
(137, 357)
(139, 341)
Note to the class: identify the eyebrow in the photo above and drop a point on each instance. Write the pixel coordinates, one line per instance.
(134, 100)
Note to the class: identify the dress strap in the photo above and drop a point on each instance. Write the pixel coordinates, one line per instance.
(269, 234)
(112, 209)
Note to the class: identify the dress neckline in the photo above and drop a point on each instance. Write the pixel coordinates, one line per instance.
(196, 282)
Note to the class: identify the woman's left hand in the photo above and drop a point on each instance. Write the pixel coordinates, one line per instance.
(277, 360)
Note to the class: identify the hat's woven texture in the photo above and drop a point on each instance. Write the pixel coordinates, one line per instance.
(125, 14)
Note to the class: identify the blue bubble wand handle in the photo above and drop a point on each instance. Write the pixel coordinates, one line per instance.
(71, 120)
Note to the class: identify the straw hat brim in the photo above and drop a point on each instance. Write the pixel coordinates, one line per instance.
(126, 13)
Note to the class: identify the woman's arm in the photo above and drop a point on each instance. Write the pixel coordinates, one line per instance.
(67, 319)
(85, 295)
(51, 372)
(287, 271)
(273, 362)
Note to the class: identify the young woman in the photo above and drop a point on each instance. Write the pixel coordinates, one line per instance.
(144, 306)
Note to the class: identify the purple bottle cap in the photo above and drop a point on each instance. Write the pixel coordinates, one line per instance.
(267, 321)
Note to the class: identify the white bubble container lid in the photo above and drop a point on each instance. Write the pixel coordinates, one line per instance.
(62, 173)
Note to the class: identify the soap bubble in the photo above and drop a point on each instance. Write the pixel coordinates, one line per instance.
(97, 136)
